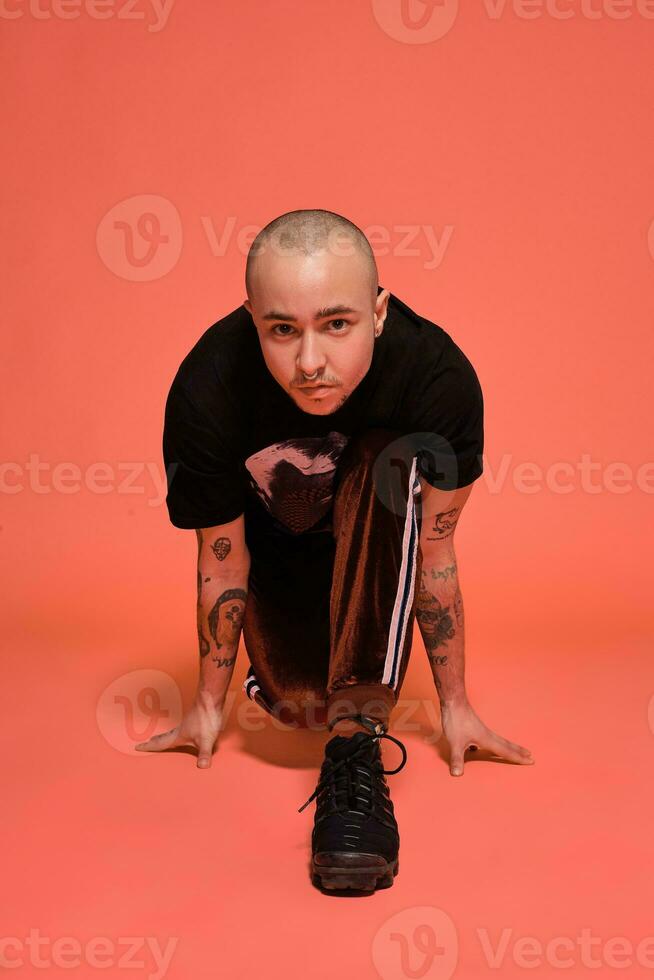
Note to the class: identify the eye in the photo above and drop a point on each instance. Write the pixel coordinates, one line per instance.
(343, 325)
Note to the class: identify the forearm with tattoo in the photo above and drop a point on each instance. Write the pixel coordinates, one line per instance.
(221, 600)
(439, 611)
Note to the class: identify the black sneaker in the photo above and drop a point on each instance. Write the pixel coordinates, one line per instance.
(355, 839)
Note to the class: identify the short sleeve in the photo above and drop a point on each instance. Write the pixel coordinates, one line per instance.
(449, 423)
(204, 479)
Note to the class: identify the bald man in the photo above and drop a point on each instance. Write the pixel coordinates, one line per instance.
(322, 441)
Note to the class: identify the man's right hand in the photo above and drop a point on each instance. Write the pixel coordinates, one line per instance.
(201, 726)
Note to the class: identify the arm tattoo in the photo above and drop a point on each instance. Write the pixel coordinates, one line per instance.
(444, 524)
(226, 618)
(441, 620)
(434, 619)
(221, 548)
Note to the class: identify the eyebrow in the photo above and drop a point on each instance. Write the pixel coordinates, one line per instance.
(320, 315)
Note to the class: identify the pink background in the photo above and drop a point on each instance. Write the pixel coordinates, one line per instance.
(524, 144)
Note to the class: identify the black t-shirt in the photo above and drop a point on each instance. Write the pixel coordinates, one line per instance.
(234, 438)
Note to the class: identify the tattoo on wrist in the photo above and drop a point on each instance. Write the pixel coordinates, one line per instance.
(438, 660)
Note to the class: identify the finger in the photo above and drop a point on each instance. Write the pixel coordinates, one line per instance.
(510, 750)
(456, 762)
(160, 742)
(205, 749)
(514, 745)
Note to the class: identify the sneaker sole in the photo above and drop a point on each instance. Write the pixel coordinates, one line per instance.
(360, 872)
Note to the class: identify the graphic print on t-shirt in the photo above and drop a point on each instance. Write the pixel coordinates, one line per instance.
(294, 478)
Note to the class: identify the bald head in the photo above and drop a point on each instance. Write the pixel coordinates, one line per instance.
(309, 232)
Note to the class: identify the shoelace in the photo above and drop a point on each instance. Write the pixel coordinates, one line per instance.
(353, 787)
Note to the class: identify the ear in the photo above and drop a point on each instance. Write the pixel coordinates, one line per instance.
(381, 309)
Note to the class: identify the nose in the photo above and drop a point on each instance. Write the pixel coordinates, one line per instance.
(310, 361)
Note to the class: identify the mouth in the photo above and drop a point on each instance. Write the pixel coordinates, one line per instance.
(318, 389)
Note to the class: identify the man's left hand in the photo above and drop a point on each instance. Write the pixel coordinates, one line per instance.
(464, 730)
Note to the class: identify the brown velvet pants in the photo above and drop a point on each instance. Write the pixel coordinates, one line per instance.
(329, 617)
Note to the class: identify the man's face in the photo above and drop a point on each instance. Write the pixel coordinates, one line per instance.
(315, 315)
